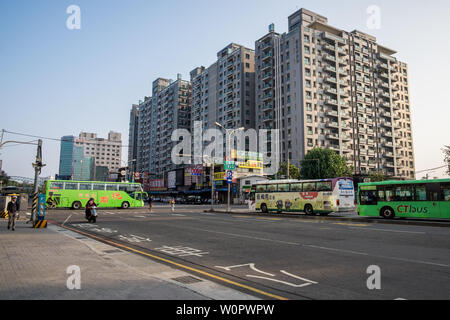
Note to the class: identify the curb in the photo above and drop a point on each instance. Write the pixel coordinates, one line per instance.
(341, 219)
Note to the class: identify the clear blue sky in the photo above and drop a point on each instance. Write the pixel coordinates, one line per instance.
(56, 82)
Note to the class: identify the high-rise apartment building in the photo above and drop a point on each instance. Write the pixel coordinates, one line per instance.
(224, 92)
(133, 137)
(326, 87)
(167, 110)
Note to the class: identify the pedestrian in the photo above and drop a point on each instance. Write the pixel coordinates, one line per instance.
(91, 211)
(150, 203)
(12, 209)
(172, 202)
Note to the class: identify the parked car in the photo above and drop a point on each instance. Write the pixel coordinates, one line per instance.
(190, 200)
(180, 200)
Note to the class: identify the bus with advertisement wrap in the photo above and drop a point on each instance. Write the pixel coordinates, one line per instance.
(405, 199)
(75, 194)
(308, 196)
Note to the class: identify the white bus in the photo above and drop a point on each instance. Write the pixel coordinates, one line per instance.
(309, 196)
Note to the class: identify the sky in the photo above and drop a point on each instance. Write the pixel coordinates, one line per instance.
(55, 81)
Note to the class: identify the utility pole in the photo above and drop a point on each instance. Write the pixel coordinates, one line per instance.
(212, 184)
(38, 165)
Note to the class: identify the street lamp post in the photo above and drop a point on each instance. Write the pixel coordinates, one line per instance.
(228, 133)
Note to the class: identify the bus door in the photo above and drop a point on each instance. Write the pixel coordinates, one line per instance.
(138, 196)
(65, 202)
(433, 197)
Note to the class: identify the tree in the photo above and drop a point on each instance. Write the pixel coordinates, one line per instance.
(294, 172)
(446, 151)
(324, 163)
(376, 176)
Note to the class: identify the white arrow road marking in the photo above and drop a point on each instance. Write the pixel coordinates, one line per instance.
(297, 277)
(251, 265)
(283, 282)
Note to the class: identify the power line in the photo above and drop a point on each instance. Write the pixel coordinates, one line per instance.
(431, 169)
(46, 138)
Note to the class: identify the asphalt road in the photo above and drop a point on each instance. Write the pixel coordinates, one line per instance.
(281, 257)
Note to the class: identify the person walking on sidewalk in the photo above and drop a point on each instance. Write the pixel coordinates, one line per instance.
(150, 203)
(12, 213)
(172, 203)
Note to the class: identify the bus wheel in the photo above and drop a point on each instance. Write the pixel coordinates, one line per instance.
(387, 213)
(76, 205)
(309, 210)
(125, 205)
(264, 208)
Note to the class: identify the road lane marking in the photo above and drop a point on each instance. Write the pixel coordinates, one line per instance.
(67, 219)
(181, 251)
(352, 224)
(237, 284)
(337, 250)
(388, 230)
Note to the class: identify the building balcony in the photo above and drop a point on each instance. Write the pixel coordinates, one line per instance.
(267, 97)
(330, 69)
(267, 55)
(267, 75)
(331, 91)
(332, 102)
(329, 57)
(332, 136)
(332, 124)
(340, 41)
(329, 79)
(266, 66)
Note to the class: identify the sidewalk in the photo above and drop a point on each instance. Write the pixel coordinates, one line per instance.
(34, 262)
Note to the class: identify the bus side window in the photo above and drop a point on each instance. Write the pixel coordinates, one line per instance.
(420, 193)
(433, 190)
(389, 194)
(445, 191)
(368, 197)
(381, 195)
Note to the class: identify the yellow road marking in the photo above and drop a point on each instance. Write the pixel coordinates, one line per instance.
(352, 224)
(259, 218)
(180, 265)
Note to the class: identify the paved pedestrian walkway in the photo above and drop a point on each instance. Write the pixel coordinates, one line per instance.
(34, 263)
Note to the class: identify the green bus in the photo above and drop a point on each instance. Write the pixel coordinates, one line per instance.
(405, 199)
(76, 194)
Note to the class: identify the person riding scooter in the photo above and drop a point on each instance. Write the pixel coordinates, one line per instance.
(91, 211)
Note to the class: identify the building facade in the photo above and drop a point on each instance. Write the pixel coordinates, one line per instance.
(66, 158)
(167, 110)
(133, 137)
(105, 152)
(329, 88)
(224, 92)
